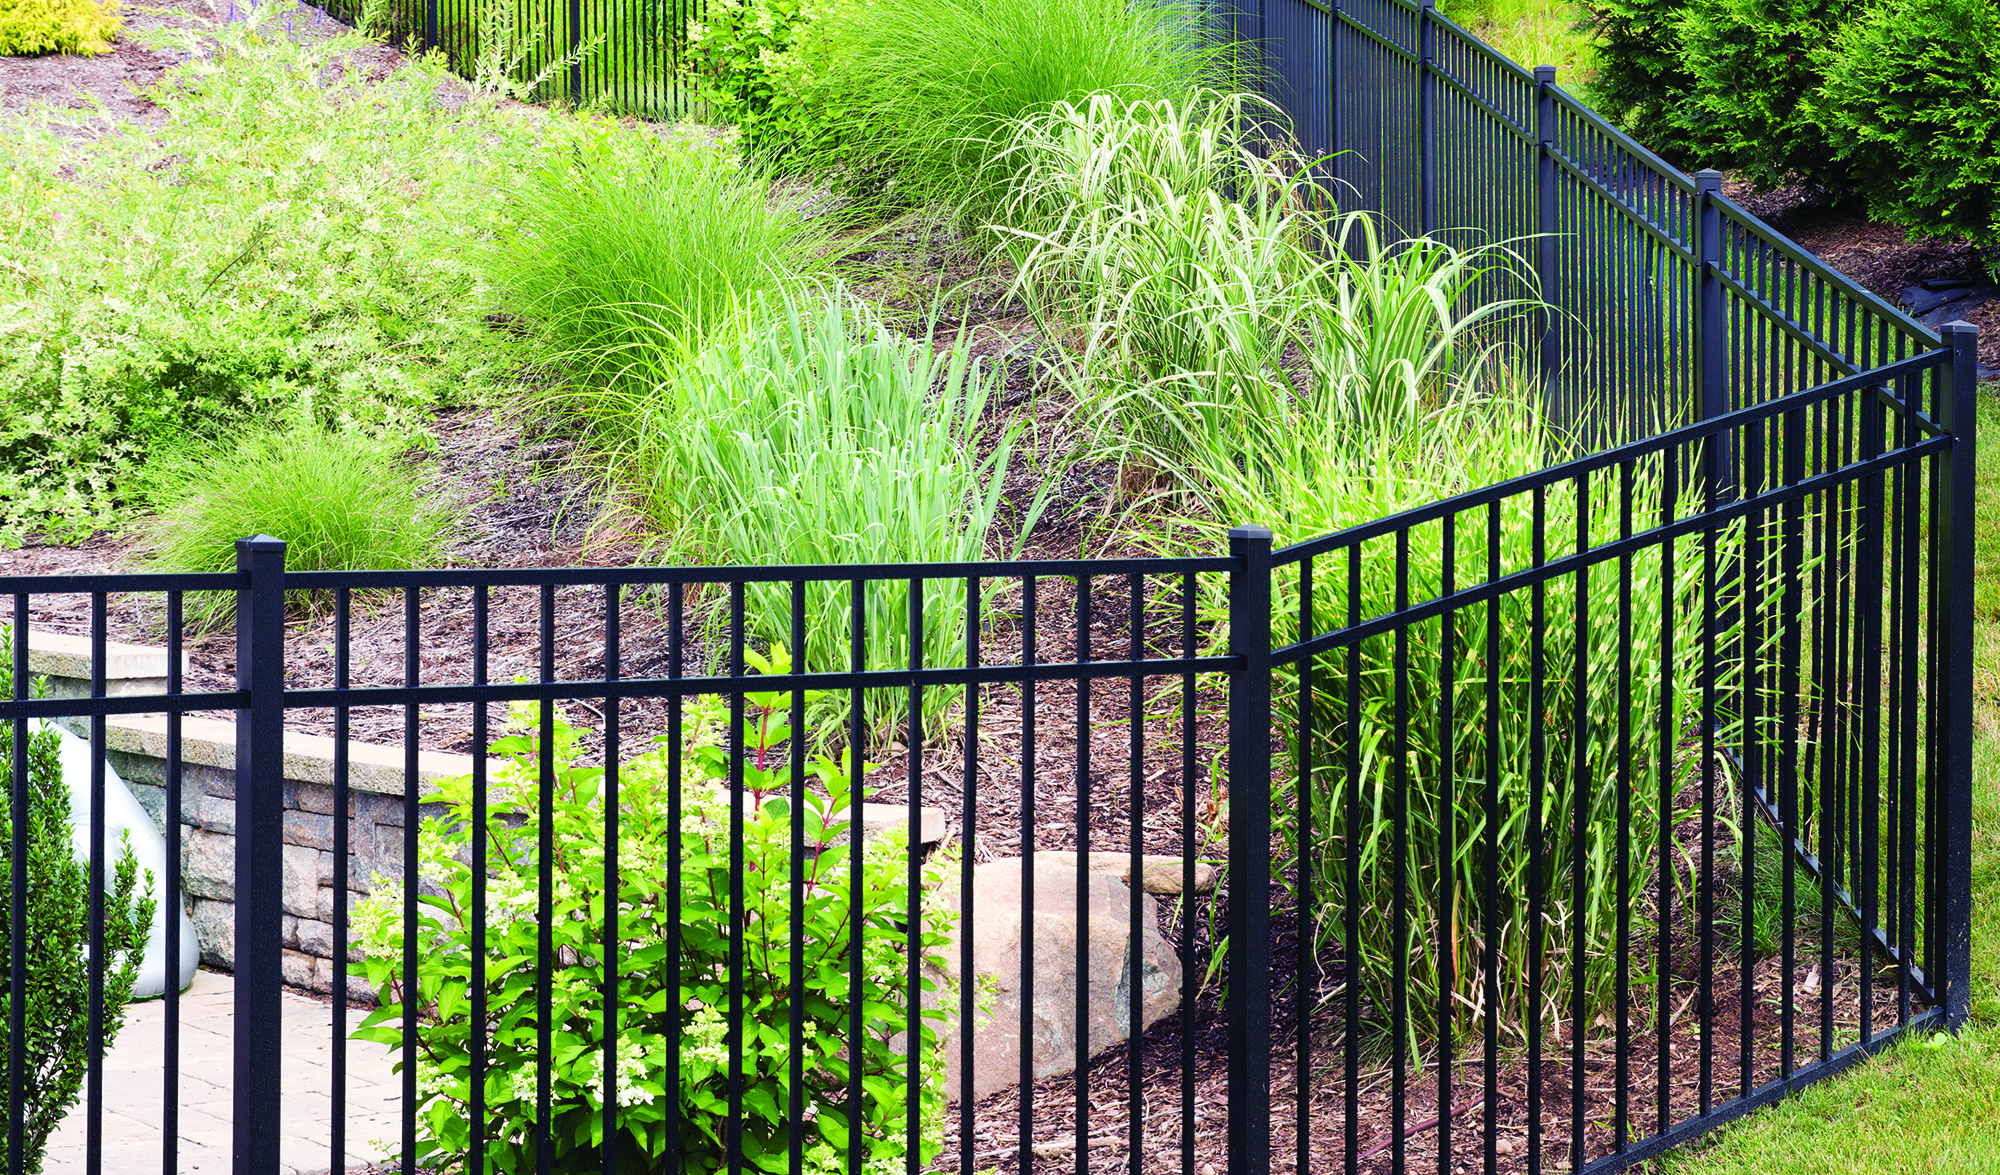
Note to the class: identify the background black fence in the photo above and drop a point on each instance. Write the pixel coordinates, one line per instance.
(1493, 784)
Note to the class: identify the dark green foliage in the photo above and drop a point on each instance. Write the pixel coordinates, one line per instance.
(1755, 100)
(1913, 102)
(1642, 84)
(58, 972)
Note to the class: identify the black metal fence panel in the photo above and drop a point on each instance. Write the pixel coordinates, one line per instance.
(1556, 823)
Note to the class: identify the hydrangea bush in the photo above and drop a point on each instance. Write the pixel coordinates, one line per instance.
(654, 1026)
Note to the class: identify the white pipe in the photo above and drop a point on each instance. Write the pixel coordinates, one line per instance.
(124, 815)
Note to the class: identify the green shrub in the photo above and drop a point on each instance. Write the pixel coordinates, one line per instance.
(31, 27)
(651, 1028)
(758, 63)
(1754, 104)
(58, 916)
(630, 251)
(341, 502)
(292, 239)
(816, 435)
(930, 87)
(1913, 103)
(1642, 83)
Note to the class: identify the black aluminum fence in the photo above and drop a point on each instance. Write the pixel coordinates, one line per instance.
(1559, 822)
(1670, 303)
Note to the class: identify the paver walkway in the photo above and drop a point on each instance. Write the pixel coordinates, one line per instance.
(134, 1068)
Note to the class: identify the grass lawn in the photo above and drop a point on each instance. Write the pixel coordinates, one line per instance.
(1928, 1105)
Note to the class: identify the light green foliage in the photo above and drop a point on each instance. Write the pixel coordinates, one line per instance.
(629, 252)
(931, 87)
(58, 918)
(652, 1030)
(1534, 32)
(31, 27)
(291, 240)
(1912, 102)
(341, 502)
(1116, 219)
(815, 434)
(1754, 103)
(758, 64)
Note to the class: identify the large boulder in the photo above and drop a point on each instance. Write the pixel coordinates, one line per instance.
(1000, 930)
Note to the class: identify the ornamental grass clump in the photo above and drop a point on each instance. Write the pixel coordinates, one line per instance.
(1269, 366)
(931, 86)
(627, 251)
(57, 1045)
(678, 929)
(341, 502)
(817, 435)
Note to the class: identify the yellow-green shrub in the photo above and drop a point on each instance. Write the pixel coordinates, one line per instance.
(30, 27)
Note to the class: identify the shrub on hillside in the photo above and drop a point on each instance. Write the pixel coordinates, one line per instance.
(1642, 83)
(1754, 105)
(758, 63)
(292, 238)
(32, 27)
(1912, 103)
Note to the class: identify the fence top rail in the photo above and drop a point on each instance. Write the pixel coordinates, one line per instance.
(1738, 215)
(1583, 466)
(633, 576)
(1623, 141)
(119, 581)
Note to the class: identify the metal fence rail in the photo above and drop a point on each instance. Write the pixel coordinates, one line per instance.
(1738, 649)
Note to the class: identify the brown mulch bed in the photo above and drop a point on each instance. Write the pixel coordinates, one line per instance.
(1881, 258)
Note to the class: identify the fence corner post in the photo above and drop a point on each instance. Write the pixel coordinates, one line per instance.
(1249, 1010)
(1427, 113)
(260, 808)
(1545, 226)
(1711, 397)
(1957, 406)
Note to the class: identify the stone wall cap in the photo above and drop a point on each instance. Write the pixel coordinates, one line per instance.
(58, 654)
(211, 742)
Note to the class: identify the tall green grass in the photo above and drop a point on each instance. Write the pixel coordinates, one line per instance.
(341, 502)
(1271, 371)
(813, 434)
(627, 249)
(929, 87)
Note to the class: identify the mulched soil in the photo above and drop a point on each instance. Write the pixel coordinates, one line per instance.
(1880, 258)
(531, 501)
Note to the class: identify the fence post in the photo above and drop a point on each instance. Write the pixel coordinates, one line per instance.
(1545, 225)
(1336, 94)
(576, 52)
(430, 24)
(1427, 111)
(260, 809)
(1711, 400)
(1249, 1012)
(1958, 411)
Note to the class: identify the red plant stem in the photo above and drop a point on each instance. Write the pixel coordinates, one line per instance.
(1419, 1128)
